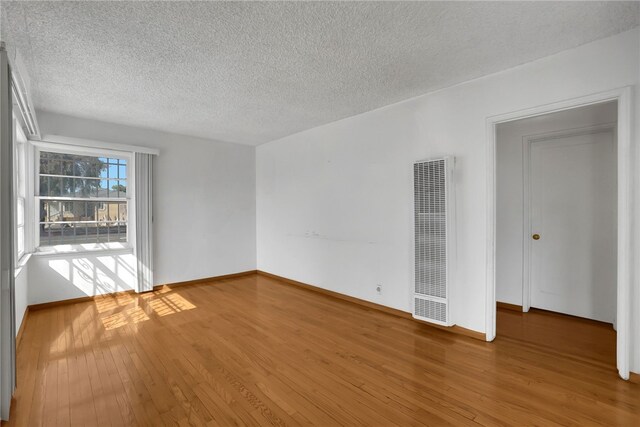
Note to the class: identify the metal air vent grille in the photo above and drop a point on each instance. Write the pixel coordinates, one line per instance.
(432, 225)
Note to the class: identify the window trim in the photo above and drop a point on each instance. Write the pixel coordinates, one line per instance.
(129, 199)
(84, 143)
(20, 150)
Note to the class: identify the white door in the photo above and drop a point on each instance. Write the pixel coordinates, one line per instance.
(573, 225)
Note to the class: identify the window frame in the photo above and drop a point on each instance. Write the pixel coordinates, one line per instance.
(40, 146)
(20, 173)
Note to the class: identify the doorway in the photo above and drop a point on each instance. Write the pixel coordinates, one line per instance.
(556, 229)
(564, 274)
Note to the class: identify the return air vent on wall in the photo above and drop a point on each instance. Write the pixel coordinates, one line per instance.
(434, 238)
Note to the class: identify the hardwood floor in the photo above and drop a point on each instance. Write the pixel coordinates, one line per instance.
(253, 351)
(562, 334)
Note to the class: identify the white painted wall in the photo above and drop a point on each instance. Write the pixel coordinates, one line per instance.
(204, 214)
(21, 293)
(66, 276)
(510, 185)
(334, 203)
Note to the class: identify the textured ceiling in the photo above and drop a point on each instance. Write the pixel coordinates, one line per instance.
(252, 72)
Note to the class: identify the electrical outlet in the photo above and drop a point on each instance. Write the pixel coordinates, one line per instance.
(379, 289)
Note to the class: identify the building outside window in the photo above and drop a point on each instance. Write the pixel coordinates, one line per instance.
(81, 198)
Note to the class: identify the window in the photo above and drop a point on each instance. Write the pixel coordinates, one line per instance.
(20, 174)
(81, 198)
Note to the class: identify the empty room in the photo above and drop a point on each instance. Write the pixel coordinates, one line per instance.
(319, 213)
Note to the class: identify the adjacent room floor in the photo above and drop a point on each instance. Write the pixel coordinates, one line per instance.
(255, 351)
(568, 336)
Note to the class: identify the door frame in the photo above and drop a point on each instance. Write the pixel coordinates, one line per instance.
(624, 262)
(7, 298)
(527, 142)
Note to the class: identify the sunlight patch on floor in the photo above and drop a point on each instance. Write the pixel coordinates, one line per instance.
(108, 304)
(127, 317)
(162, 304)
(169, 304)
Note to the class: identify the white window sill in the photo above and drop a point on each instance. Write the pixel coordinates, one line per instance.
(22, 263)
(85, 248)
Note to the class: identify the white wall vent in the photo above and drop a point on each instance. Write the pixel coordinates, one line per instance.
(434, 203)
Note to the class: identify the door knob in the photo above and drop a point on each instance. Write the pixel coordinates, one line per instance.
(536, 237)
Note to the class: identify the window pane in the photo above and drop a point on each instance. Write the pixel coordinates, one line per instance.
(73, 165)
(21, 170)
(79, 233)
(103, 190)
(44, 161)
(74, 222)
(54, 167)
(69, 175)
(51, 186)
(20, 238)
(20, 212)
(44, 186)
(69, 211)
(68, 187)
(113, 171)
(20, 178)
(122, 212)
(119, 232)
(89, 166)
(50, 211)
(117, 189)
(122, 188)
(82, 177)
